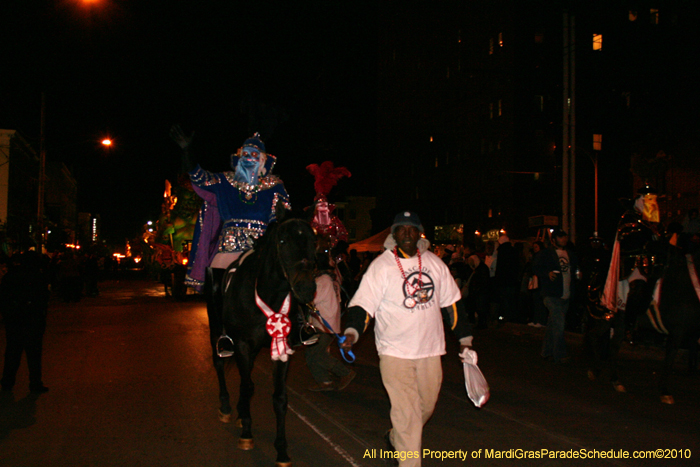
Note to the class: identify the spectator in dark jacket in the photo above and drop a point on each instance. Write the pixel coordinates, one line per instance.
(556, 267)
(24, 297)
(475, 293)
(506, 279)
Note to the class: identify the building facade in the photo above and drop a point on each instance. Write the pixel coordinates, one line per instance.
(487, 109)
(19, 176)
(19, 193)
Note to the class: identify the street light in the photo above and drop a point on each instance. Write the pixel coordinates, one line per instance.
(105, 142)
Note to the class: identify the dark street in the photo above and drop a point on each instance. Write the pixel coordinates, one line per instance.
(131, 383)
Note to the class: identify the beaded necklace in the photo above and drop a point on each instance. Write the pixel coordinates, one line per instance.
(250, 196)
(411, 299)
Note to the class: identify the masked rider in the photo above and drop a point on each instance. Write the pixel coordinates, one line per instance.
(238, 206)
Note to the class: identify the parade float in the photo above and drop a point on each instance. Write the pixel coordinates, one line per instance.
(166, 242)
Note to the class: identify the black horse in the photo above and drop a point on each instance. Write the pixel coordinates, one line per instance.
(279, 274)
(678, 312)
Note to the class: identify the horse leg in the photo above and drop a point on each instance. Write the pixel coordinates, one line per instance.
(245, 357)
(279, 404)
(225, 407)
(212, 292)
(672, 345)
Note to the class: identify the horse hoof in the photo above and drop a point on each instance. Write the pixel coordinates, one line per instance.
(283, 464)
(224, 417)
(246, 444)
(239, 423)
(667, 399)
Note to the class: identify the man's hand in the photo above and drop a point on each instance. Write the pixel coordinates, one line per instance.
(467, 355)
(553, 275)
(179, 136)
(349, 341)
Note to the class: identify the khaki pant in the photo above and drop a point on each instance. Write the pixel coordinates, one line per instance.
(413, 387)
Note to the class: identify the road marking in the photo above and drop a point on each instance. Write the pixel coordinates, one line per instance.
(327, 439)
(335, 447)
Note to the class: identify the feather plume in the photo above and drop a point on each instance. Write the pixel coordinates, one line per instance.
(326, 176)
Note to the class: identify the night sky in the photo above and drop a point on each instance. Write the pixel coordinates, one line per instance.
(303, 74)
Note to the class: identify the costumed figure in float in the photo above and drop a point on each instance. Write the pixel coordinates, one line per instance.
(238, 206)
(635, 265)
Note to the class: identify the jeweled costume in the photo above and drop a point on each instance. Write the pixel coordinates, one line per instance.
(235, 212)
(233, 216)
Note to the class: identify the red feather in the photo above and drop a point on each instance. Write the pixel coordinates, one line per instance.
(326, 176)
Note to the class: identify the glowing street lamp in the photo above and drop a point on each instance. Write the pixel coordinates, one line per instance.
(106, 142)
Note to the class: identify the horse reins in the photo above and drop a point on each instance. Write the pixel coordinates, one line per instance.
(341, 339)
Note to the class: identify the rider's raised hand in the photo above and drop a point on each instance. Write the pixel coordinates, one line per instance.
(183, 140)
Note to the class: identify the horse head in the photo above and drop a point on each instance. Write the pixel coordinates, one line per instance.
(296, 248)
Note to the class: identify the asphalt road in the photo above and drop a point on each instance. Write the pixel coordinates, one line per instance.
(131, 383)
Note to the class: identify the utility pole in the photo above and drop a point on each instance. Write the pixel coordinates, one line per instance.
(569, 127)
(42, 177)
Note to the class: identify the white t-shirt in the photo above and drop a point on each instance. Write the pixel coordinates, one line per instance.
(401, 331)
(565, 272)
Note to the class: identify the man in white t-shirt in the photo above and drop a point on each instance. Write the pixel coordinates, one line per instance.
(408, 290)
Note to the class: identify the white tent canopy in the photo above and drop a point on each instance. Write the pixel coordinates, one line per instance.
(374, 243)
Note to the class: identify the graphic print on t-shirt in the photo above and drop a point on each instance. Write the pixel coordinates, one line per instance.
(564, 263)
(421, 291)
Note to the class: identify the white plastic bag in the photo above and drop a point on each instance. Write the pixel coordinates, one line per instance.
(477, 387)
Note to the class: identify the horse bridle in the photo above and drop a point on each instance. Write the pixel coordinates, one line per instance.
(282, 265)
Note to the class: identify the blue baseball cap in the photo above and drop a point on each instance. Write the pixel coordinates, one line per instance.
(407, 218)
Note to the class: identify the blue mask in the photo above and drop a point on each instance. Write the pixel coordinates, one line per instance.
(248, 166)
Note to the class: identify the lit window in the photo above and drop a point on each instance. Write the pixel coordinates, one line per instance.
(500, 39)
(500, 107)
(490, 110)
(654, 16)
(633, 15)
(597, 41)
(491, 46)
(459, 37)
(436, 162)
(597, 142)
